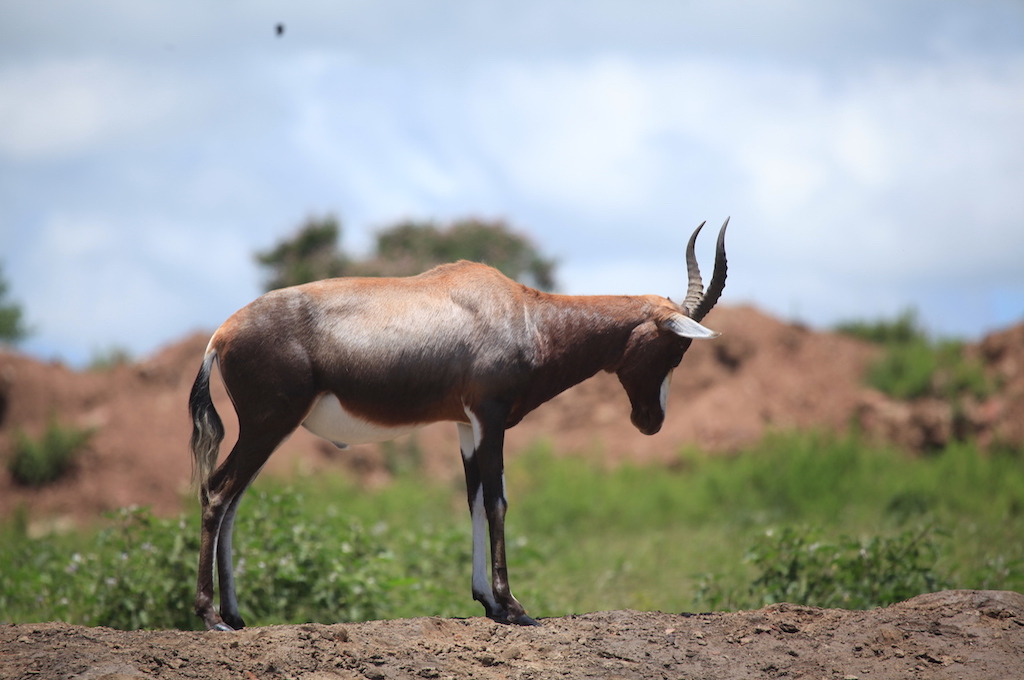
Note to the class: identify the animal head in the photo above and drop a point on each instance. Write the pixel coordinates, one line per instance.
(657, 346)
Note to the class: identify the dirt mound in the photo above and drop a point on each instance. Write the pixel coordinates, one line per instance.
(1003, 353)
(761, 374)
(954, 634)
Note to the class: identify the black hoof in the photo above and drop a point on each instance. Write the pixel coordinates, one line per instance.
(223, 627)
(513, 620)
(234, 622)
(524, 620)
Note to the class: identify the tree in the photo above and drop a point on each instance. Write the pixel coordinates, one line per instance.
(409, 247)
(310, 255)
(12, 327)
(412, 247)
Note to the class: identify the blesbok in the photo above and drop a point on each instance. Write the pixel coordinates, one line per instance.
(359, 360)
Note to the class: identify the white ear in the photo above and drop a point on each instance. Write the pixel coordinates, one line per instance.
(685, 327)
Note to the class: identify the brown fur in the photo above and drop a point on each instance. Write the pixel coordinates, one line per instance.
(459, 343)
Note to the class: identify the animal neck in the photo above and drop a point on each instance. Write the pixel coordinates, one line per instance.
(576, 336)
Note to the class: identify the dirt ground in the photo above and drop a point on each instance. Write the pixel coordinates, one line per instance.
(970, 635)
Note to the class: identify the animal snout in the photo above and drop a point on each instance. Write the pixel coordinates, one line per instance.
(647, 421)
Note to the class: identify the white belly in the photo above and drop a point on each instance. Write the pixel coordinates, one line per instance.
(329, 419)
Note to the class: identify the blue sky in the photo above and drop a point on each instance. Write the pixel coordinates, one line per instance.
(871, 154)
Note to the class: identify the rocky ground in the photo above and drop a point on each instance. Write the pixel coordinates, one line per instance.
(970, 635)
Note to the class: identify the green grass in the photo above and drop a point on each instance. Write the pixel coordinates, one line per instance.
(804, 517)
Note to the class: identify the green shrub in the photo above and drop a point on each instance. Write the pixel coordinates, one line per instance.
(905, 371)
(852, 573)
(914, 366)
(958, 375)
(37, 462)
(924, 369)
(137, 572)
(582, 536)
(292, 566)
(141, 574)
(904, 329)
(12, 323)
(802, 567)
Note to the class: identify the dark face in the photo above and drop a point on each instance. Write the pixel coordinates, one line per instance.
(646, 374)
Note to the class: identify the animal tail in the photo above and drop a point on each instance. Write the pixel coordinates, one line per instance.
(207, 427)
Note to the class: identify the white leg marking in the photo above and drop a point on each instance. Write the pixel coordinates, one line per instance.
(467, 440)
(481, 579)
(478, 433)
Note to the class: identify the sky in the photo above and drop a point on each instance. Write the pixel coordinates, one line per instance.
(870, 153)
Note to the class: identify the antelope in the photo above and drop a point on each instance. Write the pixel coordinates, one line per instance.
(360, 360)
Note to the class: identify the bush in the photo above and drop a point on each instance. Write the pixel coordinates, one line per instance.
(800, 567)
(904, 329)
(37, 462)
(137, 572)
(292, 566)
(12, 324)
(290, 569)
(922, 369)
(141, 575)
(914, 366)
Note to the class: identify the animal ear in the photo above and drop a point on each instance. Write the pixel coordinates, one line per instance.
(685, 327)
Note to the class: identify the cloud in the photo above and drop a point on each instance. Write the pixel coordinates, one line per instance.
(867, 152)
(574, 134)
(132, 283)
(835, 183)
(59, 108)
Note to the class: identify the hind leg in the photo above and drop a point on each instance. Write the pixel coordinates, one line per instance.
(220, 500)
(225, 567)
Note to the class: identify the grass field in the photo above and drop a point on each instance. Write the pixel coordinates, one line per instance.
(810, 518)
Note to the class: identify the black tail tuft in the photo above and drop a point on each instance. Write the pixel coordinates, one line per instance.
(207, 428)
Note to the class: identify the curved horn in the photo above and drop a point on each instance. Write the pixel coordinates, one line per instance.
(695, 289)
(717, 285)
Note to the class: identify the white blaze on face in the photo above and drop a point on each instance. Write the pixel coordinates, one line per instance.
(666, 385)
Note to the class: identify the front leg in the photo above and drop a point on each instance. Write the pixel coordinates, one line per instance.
(485, 488)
